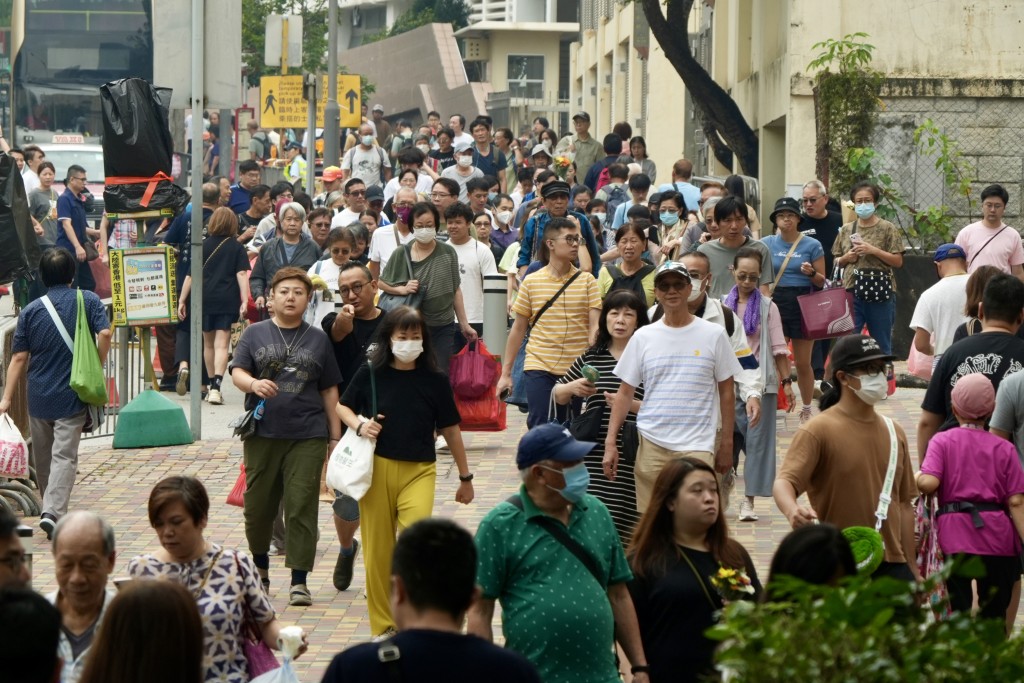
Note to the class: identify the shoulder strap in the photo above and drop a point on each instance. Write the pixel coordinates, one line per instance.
(561, 534)
(58, 323)
(214, 253)
(730, 320)
(985, 245)
(552, 300)
(972, 326)
(778, 277)
(890, 475)
(614, 271)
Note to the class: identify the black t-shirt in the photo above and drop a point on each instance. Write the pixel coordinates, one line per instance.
(432, 657)
(994, 354)
(351, 352)
(414, 403)
(223, 258)
(975, 326)
(444, 159)
(674, 611)
(246, 221)
(825, 230)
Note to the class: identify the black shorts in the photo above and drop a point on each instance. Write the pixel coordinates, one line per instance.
(218, 322)
(789, 310)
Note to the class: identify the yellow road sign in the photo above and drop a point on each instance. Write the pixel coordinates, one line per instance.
(282, 105)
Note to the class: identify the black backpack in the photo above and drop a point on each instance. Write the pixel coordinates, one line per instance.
(634, 283)
(264, 141)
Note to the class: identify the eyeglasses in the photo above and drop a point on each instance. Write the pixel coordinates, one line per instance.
(285, 196)
(322, 224)
(676, 285)
(992, 207)
(743, 277)
(570, 239)
(811, 200)
(354, 289)
(356, 193)
(483, 224)
(82, 178)
(439, 195)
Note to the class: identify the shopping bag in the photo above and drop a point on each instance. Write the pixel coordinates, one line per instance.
(13, 450)
(19, 249)
(484, 414)
(826, 313)
(237, 493)
(87, 377)
(473, 371)
(284, 674)
(350, 468)
(930, 558)
(920, 364)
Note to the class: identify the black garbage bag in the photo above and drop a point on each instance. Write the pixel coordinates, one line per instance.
(19, 250)
(128, 198)
(136, 136)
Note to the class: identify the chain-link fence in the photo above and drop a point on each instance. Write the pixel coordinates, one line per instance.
(989, 133)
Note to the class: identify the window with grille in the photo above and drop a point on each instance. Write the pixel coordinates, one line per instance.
(526, 76)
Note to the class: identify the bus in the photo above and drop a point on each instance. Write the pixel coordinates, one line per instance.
(63, 50)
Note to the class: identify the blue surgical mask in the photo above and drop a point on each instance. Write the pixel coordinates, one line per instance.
(491, 196)
(577, 479)
(669, 218)
(864, 210)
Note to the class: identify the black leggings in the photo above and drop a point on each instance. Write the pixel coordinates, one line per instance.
(994, 589)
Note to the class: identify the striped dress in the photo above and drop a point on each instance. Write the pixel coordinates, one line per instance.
(619, 496)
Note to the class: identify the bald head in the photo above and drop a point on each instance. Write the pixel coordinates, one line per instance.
(211, 194)
(85, 525)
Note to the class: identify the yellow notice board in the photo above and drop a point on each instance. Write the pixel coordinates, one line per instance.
(282, 105)
(143, 286)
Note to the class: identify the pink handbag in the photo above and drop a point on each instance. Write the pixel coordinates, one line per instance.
(826, 313)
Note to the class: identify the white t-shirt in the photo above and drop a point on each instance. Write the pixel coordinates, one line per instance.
(679, 369)
(365, 164)
(424, 184)
(1003, 252)
(475, 261)
(382, 244)
(344, 218)
(30, 179)
(318, 308)
(940, 310)
(463, 137)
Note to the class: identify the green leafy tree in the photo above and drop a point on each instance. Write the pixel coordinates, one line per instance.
(423, 12)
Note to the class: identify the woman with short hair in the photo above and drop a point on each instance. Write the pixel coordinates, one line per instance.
(291, 248)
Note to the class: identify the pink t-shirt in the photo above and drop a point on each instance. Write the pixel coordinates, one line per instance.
(1003, 252)
(975, 466)
(775, 333)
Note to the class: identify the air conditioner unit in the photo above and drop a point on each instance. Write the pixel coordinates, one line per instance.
(477, 49)
(623, 67)
(357, 17)
(607, 79)
(593, 91)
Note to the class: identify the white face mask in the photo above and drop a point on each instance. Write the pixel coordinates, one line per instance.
(873, 388)
(465, 161)
(504, 217)
(423, 148)
(698, 289)
(424, 235)
(407, 350)
(367, 140)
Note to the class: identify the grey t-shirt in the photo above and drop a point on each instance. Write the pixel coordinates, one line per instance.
(1009, 412)
(721, 258)
(42, 204)
(453, 173)
(297, 412)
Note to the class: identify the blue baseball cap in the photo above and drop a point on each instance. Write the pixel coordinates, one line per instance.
(946, 251)
(550, 442)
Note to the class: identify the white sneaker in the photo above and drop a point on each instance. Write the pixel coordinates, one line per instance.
(805, 414)
(747, 511)
(215, 397)
(440, 444)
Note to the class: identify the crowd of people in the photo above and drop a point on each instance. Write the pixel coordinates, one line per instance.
(653, 332)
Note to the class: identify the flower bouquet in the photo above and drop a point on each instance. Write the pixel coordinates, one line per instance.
(732, 584)
(561, 165)
(319, 285)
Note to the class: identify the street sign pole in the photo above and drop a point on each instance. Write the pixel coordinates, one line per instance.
(284, 45)
(310, 87)
(196, 297)
(332, 112)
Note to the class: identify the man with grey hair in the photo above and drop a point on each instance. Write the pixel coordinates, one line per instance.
(83, 555)
(823, 225)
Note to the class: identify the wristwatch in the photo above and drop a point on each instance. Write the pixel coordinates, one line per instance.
(468, 477)
(641, 669)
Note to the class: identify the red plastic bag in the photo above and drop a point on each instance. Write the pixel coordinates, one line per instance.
(235, 497)
(484, 414)
(473, 371)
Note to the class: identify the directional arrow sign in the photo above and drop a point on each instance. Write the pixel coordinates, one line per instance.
(282, 104)
(353, 101)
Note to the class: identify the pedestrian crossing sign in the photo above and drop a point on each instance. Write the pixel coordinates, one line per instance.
(282, 104)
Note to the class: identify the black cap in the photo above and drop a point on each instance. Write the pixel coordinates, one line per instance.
(555, 187)
(854, 350)
(786, 204)
(581, 115)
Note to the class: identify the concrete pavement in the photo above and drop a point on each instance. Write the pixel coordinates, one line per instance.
(116, 484)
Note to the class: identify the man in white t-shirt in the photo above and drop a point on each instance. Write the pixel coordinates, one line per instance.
(990, 241)
(382, 244)
(355, 203)
(457, 122)
(941, 308)
(475, 261)
(366, 160)
(686, 366)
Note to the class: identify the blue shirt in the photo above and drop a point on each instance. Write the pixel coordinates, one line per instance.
(492, 164)
(50, 396)
(240, 199)
(70, 206)
(809, 250)
(690, 192)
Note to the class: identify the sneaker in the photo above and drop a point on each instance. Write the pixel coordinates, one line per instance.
(48, 523)
(264, 579)
(181, 386)
(343, 567)
(747, 513)
(275, 549)
(299, 596)
(388, 633)
(440, 444)
(817, 388)
(805, 414)
(215, 397)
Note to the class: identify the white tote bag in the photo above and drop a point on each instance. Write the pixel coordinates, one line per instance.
(350, 467)
(13, 450)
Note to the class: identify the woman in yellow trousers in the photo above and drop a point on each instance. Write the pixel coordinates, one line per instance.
(414, 400)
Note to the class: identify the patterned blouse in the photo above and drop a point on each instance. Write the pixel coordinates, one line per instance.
(219, 604)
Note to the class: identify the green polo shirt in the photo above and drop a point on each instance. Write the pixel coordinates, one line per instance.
(587, 153)
(553, 611)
